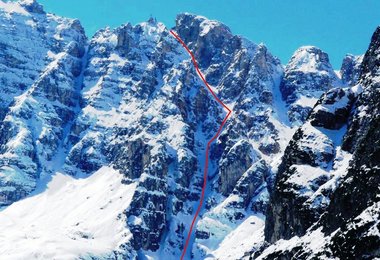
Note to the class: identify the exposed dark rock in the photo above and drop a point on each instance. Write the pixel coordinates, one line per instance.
(371, 62)
(131, 158)
(361, 185)
(236, 162)
(39, 97)
(32, 6)
(291, 213)
(351, 69)
(333, 109)
(348, 226)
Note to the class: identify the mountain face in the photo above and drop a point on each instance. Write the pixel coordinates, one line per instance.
(39, 93)
(351, 68)
(117, 125)
(335, 198)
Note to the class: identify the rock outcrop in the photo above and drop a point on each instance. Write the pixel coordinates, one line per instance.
(39, 94)
(351, 69)
(346, 221)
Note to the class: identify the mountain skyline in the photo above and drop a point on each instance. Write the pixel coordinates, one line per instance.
(337, 27)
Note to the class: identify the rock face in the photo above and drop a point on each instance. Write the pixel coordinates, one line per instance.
(39, 93)
(32, 6)
(351, 69)
(237, 161)
(131, 80)
(354, 205)
(333, 109)
(302, 183)
(346, 222)
(130, 99)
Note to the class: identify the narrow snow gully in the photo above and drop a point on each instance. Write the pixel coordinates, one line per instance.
(229, 111)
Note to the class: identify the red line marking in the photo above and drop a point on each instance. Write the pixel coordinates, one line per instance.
(209, 142)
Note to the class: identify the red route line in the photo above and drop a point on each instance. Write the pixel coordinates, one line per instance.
(209, 142)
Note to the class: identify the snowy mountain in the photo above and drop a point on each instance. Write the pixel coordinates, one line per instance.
(325, 200)
(39, 89)
(103, 143)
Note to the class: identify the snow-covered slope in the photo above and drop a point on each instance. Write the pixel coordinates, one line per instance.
(71, 218)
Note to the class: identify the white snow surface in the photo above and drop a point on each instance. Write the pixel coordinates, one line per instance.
(305, 60)
(242, 239)
(70, 218)
(13, 7)
(313, 241)
(304, 101)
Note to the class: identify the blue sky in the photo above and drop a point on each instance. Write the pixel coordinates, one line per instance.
(336, 26)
